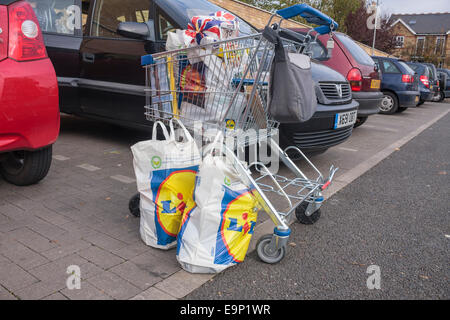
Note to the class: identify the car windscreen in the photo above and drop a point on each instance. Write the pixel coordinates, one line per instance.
(193, 8)
(358, 53)
(406, 67)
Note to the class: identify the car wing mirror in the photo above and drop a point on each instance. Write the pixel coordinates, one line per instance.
(137, 30)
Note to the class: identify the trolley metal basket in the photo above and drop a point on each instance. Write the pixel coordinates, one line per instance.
(224, 86)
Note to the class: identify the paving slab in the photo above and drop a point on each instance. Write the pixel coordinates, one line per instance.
(85, 213)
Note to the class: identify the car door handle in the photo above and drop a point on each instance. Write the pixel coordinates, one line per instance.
(88, 57)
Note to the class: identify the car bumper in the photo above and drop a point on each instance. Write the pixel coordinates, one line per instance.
(317, 133)
(408, 98)
(369, 102)
(447, 93)
(29, 107)
(426, 95)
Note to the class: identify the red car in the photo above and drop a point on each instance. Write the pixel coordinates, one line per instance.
(349, 59)
(29, 107)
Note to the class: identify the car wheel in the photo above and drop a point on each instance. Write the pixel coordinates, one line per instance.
(401, 109)
(389, 104)
(440, 97)
(421, 102)
(359, 121)
(24, 168)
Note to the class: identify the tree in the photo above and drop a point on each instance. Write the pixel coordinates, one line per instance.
(356, 27)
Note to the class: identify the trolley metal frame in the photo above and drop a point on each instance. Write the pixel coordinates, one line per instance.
(239, 74)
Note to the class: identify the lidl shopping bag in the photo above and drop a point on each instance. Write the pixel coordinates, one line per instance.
(217, 232)
(165, 174)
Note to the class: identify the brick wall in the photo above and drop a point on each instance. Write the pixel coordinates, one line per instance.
(259, 18)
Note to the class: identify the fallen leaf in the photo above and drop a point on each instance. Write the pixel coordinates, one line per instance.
(442, 173)
(424, 277)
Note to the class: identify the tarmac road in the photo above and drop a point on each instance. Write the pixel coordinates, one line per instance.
(396, 216)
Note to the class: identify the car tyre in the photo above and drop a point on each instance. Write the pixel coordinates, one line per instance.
(360, 121)
(401, 109)
(421, 102)
(440, 96)
(389, 104)
(24, 168)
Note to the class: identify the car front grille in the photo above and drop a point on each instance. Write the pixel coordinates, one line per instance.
(323, 138)
(336, 90)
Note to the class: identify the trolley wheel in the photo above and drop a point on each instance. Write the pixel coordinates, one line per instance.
(133, 205)
(300, 213)
(261, 249)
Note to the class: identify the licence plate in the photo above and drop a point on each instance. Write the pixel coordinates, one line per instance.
(345, 119)
(417, 98)
(375, 84)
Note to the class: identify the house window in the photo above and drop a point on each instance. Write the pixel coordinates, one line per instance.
(440, 45)
(420, 45)
(399, 41)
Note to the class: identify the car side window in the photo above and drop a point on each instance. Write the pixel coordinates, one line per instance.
(61, 17)
(389, 67)
(109, 13)
(164, 25)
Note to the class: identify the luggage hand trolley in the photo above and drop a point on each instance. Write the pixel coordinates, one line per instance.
(224, 86)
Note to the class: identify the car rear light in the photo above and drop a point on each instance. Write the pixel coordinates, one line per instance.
(3, 32)
(354, 76)
(425, 81)
(25, 36)
(407, 78)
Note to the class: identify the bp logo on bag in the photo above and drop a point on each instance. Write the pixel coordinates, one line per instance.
(238, 220)
(173, 194)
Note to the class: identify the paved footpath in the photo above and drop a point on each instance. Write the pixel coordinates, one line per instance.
(78, 216)
(395, 217)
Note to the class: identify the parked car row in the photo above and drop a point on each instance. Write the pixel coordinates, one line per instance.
(97, 64)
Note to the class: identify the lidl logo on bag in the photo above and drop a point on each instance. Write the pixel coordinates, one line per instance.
(156, 162)
(238, 221)
(173, 194)
(230, 124)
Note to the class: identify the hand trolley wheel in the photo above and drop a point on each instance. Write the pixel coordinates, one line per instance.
(133, 205)
(300, 213)
(265, 251)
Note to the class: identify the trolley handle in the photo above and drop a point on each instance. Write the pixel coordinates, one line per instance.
(314, 16)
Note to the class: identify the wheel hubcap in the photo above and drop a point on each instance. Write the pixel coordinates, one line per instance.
(387, 103)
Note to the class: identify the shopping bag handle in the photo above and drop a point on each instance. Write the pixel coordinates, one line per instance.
(164, 129)
(314, 16)
(218, 141)
(172, 131)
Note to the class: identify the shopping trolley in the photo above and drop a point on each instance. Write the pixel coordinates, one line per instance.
(223, 87)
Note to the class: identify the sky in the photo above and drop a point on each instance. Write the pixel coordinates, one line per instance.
(414, 6)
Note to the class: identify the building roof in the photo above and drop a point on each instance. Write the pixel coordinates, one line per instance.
(424, 23)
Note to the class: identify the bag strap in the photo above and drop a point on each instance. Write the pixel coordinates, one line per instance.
(217, 142)
(164, 129)
(185, 131)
